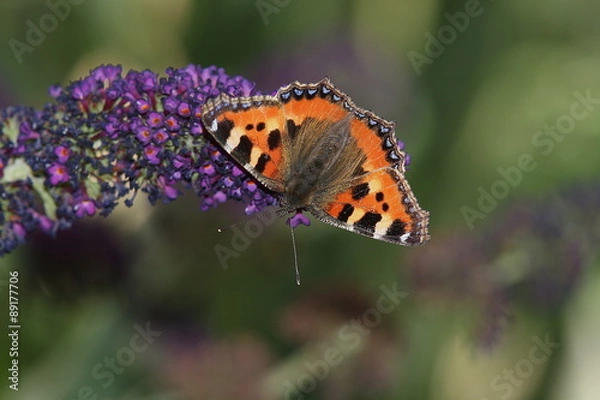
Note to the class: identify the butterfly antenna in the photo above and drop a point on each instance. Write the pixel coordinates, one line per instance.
(295, 256)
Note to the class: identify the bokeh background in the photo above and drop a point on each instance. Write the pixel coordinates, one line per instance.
(502, 303)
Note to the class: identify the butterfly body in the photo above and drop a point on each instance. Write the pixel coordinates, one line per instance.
(317, 151)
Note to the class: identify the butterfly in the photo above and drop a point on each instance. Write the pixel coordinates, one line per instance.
(318, 152)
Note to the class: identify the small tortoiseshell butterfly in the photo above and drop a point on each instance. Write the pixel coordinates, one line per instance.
(317, 151)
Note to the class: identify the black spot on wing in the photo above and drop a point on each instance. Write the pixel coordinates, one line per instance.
(242, 151)
(385, 207)
(324, 92)
(383, 130)
(368, 222)
(311, 93)
(392, 157)
(345, 213)
(285, 96)
(249, 127)
(223, 130)
(360, 191)
(396, 229)
(359, 171)
(387, 144)
(260, 126)
(292, 129)
(379, 196)
(262, 162)
(274, 140)
(298, 93)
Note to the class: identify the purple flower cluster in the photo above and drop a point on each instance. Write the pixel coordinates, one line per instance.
(106, 137)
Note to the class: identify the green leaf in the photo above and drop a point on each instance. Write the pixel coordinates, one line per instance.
(19, 170)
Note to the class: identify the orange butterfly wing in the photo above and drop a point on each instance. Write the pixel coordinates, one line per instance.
(379, 202)
(251, 130)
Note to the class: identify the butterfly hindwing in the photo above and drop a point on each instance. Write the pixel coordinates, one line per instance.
(378, 206)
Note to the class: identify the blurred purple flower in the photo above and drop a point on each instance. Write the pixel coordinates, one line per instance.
(86, 207)
(535, 253)
(62, 153)
(58, 174)
(234, 368)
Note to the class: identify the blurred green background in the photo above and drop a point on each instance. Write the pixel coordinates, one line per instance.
(498, 103)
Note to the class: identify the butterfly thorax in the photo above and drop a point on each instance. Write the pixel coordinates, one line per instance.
(300, 191)
(316, 167)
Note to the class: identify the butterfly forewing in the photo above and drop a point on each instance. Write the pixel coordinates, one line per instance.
(251, 134)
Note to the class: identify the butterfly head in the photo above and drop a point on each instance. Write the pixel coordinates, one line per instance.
(298, 194)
